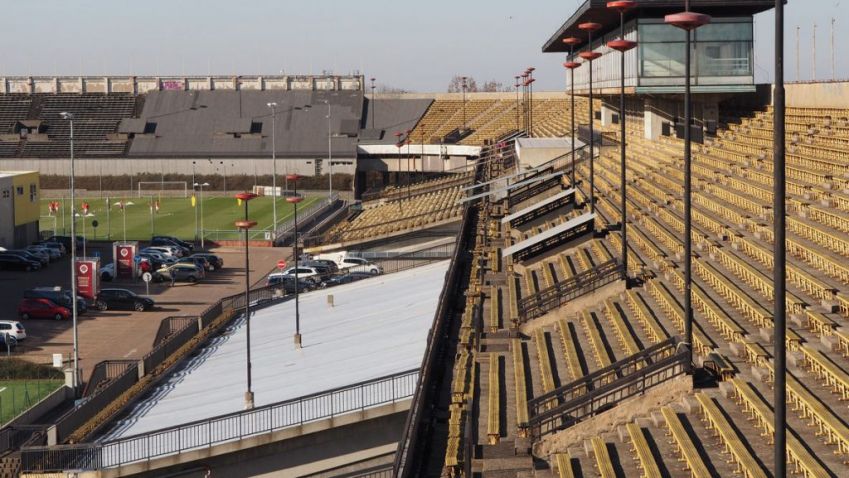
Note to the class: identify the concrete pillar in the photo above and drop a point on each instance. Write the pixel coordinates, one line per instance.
(653, 122)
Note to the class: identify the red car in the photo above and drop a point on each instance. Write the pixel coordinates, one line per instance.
(42, 309)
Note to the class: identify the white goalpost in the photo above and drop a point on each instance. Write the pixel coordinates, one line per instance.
(164, 188)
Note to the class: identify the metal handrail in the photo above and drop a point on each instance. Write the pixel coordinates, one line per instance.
(552, 297)
(208, 432)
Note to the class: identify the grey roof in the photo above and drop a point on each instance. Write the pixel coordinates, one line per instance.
(391, 115)
(220, 123)
(131, 125)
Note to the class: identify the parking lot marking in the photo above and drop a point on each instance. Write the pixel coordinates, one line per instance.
(131, 352)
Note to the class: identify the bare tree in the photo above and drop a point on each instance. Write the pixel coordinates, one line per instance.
(456, 84)
(493, 86)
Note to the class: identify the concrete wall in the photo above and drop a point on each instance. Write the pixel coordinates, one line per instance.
(26, 197)
(7, 213)
(817, 95)
(144, 84)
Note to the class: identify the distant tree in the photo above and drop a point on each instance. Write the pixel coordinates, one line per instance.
(456, 84)
(493, 86)
(391, 89)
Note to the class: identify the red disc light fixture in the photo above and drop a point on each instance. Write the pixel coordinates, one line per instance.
(245, 225)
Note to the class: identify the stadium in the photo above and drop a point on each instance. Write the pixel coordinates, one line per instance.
(638, 274)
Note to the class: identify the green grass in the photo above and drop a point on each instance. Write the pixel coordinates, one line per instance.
(18, 395)
(176, 217)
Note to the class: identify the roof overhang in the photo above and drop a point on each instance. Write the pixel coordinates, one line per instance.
(596, 11)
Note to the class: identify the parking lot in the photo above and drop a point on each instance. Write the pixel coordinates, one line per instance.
(115, 335)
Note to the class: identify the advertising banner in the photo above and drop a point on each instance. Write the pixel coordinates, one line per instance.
(87, 277)
(123, 256)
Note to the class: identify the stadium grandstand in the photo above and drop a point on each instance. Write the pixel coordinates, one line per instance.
(587, 297)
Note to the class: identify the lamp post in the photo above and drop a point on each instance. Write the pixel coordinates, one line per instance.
(622, 45)
(409, 170)
(779, 252)
(329, 151)
(398, 144)
(689, 21)
(373, 104)
(464, 86)
(531, 80)
(294, 200)
(518, 112)
(571, 65)
(525, 102)
(123, 206)
(273, 106)
(245, 225)
(200, 203)
(589, 56)
(69, 117)
(194, 201)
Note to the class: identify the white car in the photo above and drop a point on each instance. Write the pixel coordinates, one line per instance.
(356, 264)
(309, 273)
(52, 254)
(167, 251)
(13, 328)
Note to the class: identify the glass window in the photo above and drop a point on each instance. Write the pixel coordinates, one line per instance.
(662, 59)
(724, 58)
(725, 32)
(660, 32)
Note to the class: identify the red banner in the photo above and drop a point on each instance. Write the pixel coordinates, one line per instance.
(124, 254)
(87, 283)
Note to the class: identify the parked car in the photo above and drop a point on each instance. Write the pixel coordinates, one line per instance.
(167, 251)
(53, 245)
(179, 242)
(122, 299)
(16, 262)
(42, 309)
(43, 259)
(332, 266)
(196, 260)
(322, 265)
(288, 283)
(312, 274)
(52, 254)
(356, 264)
(13, 328)
(160, 242)
(216, 261)
(180, 272)
(58, 296)
(66, 241)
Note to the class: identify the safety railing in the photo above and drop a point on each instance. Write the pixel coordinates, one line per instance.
(222, 429)
(550, 298)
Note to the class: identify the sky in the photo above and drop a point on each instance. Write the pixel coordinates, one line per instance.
(417, 46)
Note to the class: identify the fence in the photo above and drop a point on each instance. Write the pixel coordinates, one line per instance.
(221, 429)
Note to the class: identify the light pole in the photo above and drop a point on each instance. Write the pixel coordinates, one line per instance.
(194, 201)
(245, 225)
(123, 207)
(779, 252)
(200, 202)
(273, 106)
(571, 65)
(689, 21)
(589, 56)
(329, 151)
(409, 170)
(531, 80)
(398, 144)
(69, 117)
(463, 85)
(294, 200)
(373, 104)
(622, 45)
(518, 112)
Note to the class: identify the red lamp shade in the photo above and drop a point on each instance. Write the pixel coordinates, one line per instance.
(398, 134)
(293, 177)
(294, 199)
(590, 55)
(572, 41)
(687, 20)
(589, 26)
(531, 69)
(517, 85)
(245, 196)
(572, 65)
(245, 224)
(622, 5)
(621, 45)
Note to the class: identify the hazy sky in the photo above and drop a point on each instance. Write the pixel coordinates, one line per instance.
(412, 45)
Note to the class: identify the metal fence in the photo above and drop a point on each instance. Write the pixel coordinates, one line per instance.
(221, 429)
(553, 297)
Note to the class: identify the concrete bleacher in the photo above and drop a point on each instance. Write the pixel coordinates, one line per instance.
(720, 431)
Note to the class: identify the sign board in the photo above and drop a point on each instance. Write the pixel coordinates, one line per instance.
(58, 361)
(267, 235)
(123, 256)
(87, 276)
(281, 264)
(147, 277)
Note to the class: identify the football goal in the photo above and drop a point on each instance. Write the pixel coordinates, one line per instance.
(163, 188)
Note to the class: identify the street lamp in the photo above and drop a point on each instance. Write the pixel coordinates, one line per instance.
(463, 85)
(329, 151)
(531, 80)
(194, 201)
(294, 200)
(589, 56)
(273, 107)
(518, 113)
(622, 45)
(409, 170)
(123, 207)
(245, 225)
(571, 65)
(200, 202)
(689, 21)
(373, 104)
(69, 117)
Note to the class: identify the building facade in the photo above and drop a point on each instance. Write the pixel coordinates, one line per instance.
(19, 208)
